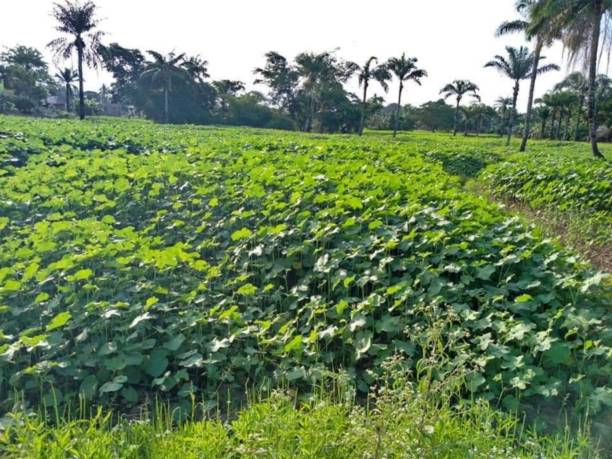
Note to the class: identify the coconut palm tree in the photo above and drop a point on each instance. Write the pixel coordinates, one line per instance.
(196, 68)
(370, 71)
(163, 70)
(543, 38)
(67, 77)
(582, 26)
(405, 69)
(77, 22)
(311, 69)
(518, 65)
(459, 88)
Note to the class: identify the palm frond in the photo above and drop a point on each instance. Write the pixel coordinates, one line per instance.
(548, 68)
(511, 27)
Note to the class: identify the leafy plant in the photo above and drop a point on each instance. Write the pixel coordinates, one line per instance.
(140, 260)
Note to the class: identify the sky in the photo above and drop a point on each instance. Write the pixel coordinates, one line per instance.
(452, 39)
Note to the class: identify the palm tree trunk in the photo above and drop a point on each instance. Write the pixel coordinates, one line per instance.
(543, 128)
(67, 97)
(363, 107)
(515, 93)
(397, 110)
(81, 90)
(551, 131)
(534, 76)
(578, 113)
(559, 122)
(310, 114)
(166, 104)
(456, 120)
(591, 113)
(567, 123)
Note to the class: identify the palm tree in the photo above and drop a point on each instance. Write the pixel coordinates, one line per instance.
(543, 112)
(459, 88)
(582, 26)
(77, 21)
(405, 69)
(364, 75)
(503, 104)
(568, 100)
(67, 77)
(311, 68)
(543, 38)
(196, 68)
(555, 105)
(578, 84)
(164, 69)
(517, 66)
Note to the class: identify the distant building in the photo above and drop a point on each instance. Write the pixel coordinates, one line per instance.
(57, 102)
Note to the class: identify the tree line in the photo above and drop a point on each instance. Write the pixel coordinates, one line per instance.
(308, 93)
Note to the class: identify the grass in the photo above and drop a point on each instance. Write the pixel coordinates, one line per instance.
(400, 420)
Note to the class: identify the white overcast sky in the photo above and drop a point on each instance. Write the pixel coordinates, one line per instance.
(452, 39)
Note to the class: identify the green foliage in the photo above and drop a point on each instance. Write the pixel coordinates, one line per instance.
(402, 420)
(140, 260)
(563, 182)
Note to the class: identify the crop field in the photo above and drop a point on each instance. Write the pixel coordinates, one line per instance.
(141, 262)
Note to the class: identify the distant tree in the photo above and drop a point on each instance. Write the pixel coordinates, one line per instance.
(518, 65)
(561, 104)
(196, 68)
(458, 89)
(370, 71)
(480, 113)
(578, 84)
(229, 87)
(77, 22)
(163, 70)
(126, 65)
(23, 56)
(503, 104)
(435, 115)
(582, 25)
(553, 104)
(24, 71)
(405, 70)
(604, 104)
(67, 77)
(543, 113)
(282, 79)
(322, 76)
(568, 100)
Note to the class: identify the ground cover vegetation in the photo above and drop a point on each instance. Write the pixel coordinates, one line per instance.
(143, 262)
